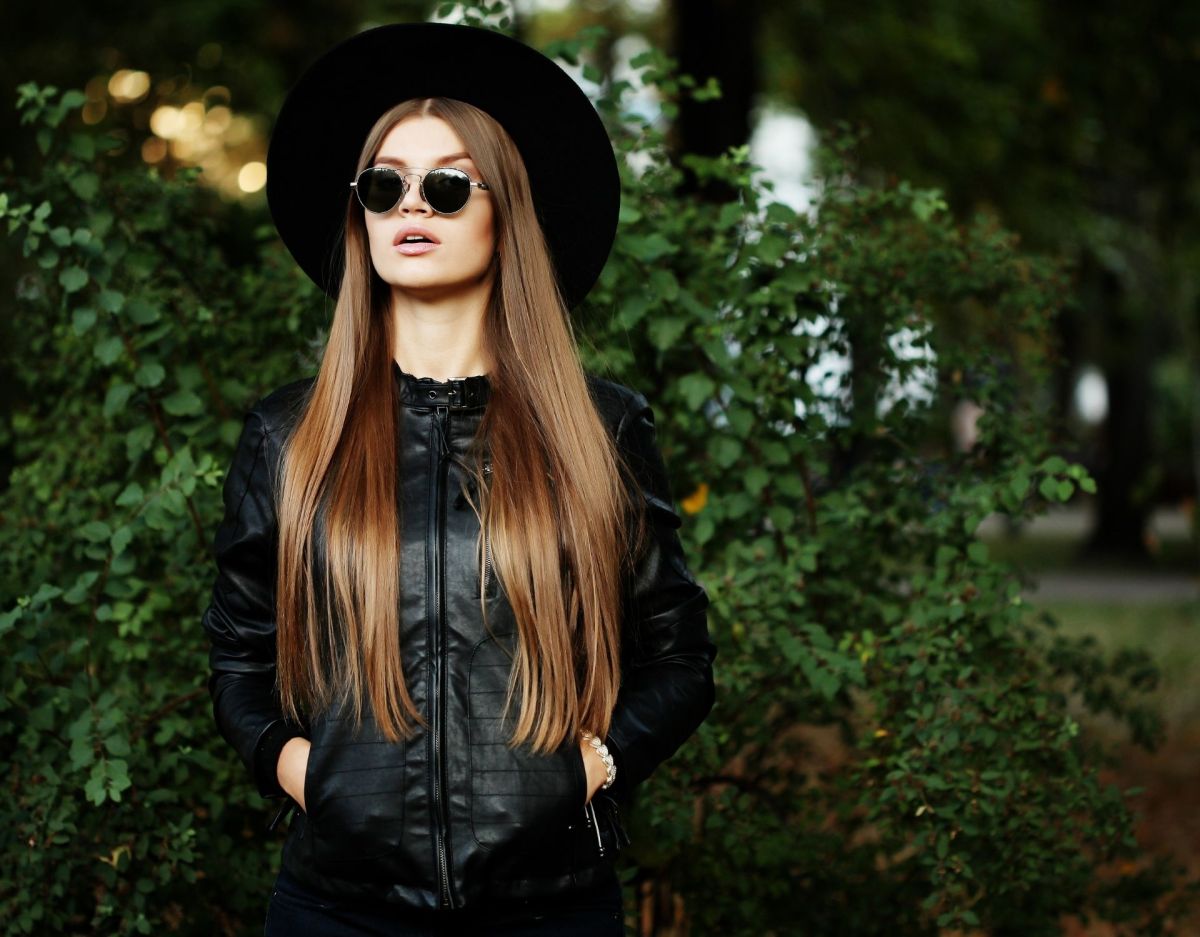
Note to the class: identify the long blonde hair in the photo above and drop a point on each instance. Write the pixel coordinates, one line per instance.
(556, 508)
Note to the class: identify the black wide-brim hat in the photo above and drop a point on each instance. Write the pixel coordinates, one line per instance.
(325, 118)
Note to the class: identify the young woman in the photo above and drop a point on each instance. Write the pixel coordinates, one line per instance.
(453, 626)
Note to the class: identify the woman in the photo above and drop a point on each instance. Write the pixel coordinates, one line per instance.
(453, 627)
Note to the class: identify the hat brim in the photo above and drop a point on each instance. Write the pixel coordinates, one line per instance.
(325, 118)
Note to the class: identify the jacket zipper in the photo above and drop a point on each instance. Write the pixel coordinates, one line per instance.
(441, 425)
(487, 559)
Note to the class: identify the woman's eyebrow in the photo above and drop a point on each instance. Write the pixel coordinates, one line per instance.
(396, 161)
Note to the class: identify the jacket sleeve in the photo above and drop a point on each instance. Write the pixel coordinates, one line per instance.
(667, 687)
(240, 619)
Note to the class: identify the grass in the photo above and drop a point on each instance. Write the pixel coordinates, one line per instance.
(1169, 632)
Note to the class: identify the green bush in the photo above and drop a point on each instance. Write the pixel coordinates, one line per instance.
(892, 749)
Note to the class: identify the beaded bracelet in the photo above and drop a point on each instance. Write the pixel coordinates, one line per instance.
(607, 758)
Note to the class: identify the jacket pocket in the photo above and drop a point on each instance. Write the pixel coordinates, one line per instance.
(354, 791)
(518, 797)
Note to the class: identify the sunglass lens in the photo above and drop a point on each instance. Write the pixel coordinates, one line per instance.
(380, 188)
(447, 190)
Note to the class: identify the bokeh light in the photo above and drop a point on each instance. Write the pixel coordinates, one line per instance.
(252, 177)
(128, 86)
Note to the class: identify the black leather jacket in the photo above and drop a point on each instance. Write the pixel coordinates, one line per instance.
(452, 818)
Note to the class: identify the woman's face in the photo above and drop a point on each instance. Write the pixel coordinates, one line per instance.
(462, 256)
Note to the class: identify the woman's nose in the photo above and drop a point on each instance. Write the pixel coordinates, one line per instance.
(412, 197)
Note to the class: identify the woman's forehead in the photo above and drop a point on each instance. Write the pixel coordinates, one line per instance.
(422, 141)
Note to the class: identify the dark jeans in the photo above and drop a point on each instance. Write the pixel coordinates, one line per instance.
(294, 910)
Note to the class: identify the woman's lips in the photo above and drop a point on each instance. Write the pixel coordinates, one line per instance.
(415, 247)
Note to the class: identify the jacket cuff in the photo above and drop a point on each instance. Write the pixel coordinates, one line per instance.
(266, 756)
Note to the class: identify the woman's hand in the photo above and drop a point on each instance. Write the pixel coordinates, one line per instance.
(293, 766)
(597, 773)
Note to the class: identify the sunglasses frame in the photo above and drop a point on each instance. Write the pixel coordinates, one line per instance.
(422, 172)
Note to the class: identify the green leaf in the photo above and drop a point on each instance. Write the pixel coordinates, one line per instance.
(73, 279)
(182, 403)
(117, 745)
(696, 388)
(775, 453)
(634, 309)
(725, 451)
(85, 185)
(95, 788)
(132, 495)
(115, 400)
(81, 588)
(781, 516)
(111, 301)
(731, 213)
(664, 284)
(779, 213)
(95, 531)
(120, 539)
(45, 594)
(150, 374)
(756, 479)
(138, 441)
(81, 753)
(142, 312)
(108, 349)
(83, 319)
(82, 147)
(648, 247)
(665, 331)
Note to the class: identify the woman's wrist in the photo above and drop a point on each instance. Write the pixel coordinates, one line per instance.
(605, 756)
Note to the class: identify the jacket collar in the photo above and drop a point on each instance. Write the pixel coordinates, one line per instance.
(458, 393)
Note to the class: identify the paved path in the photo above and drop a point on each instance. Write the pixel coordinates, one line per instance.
(1128, 588)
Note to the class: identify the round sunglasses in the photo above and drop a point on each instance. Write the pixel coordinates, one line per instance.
(445, 190)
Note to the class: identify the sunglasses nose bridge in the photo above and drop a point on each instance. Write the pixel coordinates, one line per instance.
(406, 187)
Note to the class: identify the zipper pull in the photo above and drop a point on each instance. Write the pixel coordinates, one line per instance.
(595, 825)
(283, 811)
(442, 425)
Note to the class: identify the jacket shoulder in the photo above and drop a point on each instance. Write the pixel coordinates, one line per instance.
(615, 402)
(280, 408)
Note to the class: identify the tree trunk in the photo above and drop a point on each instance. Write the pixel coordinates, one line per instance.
(715, 38)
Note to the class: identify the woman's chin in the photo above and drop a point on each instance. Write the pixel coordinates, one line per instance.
(428, 284)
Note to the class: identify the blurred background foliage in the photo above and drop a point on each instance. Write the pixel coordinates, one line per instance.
(979, 304)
